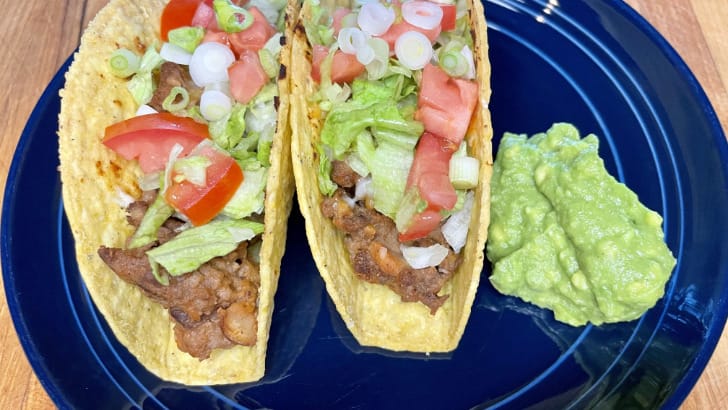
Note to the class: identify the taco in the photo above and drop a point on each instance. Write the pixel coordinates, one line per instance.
(391, 153)
(176, 179)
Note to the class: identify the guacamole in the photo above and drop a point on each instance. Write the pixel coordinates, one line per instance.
(566, 236)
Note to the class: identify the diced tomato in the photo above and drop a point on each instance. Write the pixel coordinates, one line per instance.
(397, 29)
(431, 169)
(421, 225)
(201, 203)
(205, 17)
(344, 68)
(149, 138)
(255, 36)
(177, 13)
(430, 175)
(449, 16)
(446, 104)
(216, 36)
(338, 16)
(247, 76)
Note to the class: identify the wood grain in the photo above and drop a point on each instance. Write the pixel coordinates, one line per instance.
(38, 36)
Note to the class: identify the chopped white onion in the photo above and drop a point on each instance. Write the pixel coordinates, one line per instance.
(422, 14)
(175, 54)
(375, 18)
(363, 188)
(365, 54)
(351, 39)
(123, 199)
(468, 54)
(214, 105)
(148, 182)
(455, 229)
(421, 257)
(173, 155)
(413, 50)
(144, 109)
(210, 62)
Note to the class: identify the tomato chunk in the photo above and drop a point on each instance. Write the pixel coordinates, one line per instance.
(430, 171)
(445, 104)
(421, 225)
(201, 203)
(430, 175)
(449, 16)
(149, 138)
(253, 37)
(344, 68)
(338, 16)
(247, 76)
(205, 17)
(177, 13)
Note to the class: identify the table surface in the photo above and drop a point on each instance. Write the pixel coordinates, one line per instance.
(40, 35)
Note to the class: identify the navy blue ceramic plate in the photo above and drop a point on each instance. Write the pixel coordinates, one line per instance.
(594, 63)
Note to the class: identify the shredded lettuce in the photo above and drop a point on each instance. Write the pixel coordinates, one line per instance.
(141, 85)
(158, 212)
(195, 246)
(319, 29)
(187, 38)
(250, 197)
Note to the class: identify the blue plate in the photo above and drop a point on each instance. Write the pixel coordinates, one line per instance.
(594, 63)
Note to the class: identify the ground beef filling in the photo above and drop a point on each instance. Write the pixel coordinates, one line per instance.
(213, 307)
(373, 245)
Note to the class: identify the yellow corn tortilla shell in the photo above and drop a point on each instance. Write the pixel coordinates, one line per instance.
(95, 182)
(374, 314)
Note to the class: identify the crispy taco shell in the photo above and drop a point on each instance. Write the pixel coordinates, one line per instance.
(374, 314)
(94, 180)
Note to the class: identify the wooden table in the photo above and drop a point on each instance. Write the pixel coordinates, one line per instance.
(38, 36)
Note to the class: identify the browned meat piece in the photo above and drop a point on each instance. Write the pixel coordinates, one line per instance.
(217, 301)
(173, 75)
(135, 212)
(202, 338)
(373, 245)
(343, 175)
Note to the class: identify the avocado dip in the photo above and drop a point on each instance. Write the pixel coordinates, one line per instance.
(566, 236)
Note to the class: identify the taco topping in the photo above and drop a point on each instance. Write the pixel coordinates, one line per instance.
(202, 137)
(396, 86)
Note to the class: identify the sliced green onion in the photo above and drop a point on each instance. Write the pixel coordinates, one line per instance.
(214, 105)
(454, 63)
(177, 99)
(187, 38)
(351, 39)
(378, 67)
(269, 62)
(464, 172)
(231, 18)
(413, 50)
(124, 62)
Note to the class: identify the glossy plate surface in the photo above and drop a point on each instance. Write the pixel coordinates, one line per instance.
(594, 63)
